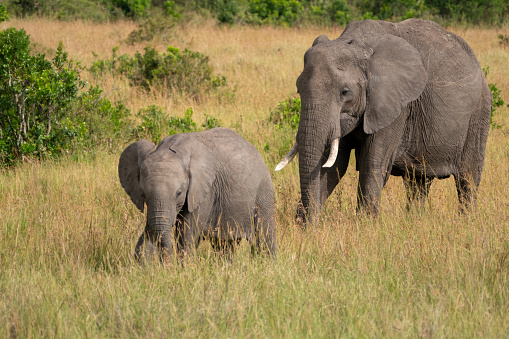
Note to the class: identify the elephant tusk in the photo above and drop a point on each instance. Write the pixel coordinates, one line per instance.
(288, 158)
(333, 153)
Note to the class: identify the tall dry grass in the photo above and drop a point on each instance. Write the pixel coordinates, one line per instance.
(67, 229)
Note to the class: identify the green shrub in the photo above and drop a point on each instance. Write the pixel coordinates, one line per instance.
(472, 11)
(44, 110)
(210, 122)
(133, 8)
(284, 12)
(182, 125)
(285, 117)
(503, 40)
(153, 26)
(156, 124)
(34, 96)
(286, 114)
(328, 12)
(104, 121)
(227, 11)
(391, 9)
(152, 127)
(497, 98)
(184, 72)
(3, 13)
(93, 10)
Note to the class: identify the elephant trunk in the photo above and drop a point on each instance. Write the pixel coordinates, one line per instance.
(312, 140)
(158, 230)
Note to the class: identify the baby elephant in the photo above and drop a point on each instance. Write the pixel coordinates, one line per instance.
(210, 184)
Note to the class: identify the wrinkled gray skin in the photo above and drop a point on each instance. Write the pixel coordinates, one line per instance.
(210, 184)
(410, 98)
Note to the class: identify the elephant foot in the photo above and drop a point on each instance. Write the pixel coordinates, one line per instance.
(301, 216)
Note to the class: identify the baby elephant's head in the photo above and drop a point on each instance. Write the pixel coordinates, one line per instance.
(175, 176)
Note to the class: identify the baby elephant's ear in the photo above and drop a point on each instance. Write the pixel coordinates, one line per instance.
(129, 169)
(202, 173)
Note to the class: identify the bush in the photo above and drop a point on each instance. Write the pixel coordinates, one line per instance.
(227, 11)
(98, 11)
(329, 12)
(285, 117)
(391, 9)
(156, 124)
(34, 96)
(3, 13)
(503, 40)
(104, 121)
(275, 12)
(179, 71)
(153, 26)
(497, 97)
(472, 11)
(286, 113)
(284, 12)
(44, 111)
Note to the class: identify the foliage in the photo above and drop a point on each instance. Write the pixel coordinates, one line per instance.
(155, 124)
(45, 113)
(274, 12)
(35, 94)
(286, 113)
(227, 11)
(472, 11)
(391, 9)
(328, 12)
(133, 8)
(171, 10)
(503, 40)
(285, 117)
(98, 11)
(210, 122)
(150, 27)
(184, 71)
(497, 97)
(3, 13)
(105, 122)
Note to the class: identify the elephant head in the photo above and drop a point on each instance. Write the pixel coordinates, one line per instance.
(354, 80)
(177, 175)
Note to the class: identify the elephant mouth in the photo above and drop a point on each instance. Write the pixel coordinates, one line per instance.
(333, 154)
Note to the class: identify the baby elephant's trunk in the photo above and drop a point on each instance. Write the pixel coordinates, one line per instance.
(157, 235)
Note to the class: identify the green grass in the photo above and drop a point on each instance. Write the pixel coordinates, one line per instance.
(68, 231)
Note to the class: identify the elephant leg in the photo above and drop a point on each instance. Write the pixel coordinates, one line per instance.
(417, 189)
(369, 190)
(145, 249)
(374, 159)
(179, 235)
(190, 235)
(469, 175)
(466, 187)
(264, 229)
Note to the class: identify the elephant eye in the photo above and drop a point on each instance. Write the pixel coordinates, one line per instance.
(179, 192)
(345, 92)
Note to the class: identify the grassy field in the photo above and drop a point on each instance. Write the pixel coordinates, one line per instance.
(68, 230)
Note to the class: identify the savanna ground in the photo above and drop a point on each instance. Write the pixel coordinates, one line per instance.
(68, 230)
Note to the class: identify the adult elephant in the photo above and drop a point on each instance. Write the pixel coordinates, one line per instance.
(410, 98)
(210, 184)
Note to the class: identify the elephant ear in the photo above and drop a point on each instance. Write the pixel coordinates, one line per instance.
(321, 39)
(202, 173)
(129, 169)
(201, 164)
(396, 77)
